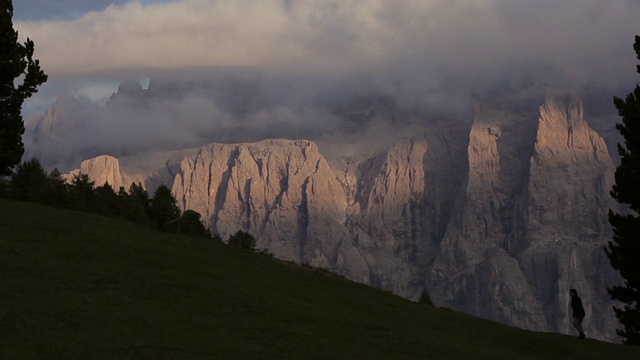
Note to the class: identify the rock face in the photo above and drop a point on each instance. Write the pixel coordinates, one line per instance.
(498, 217)
(532, 221)
(571, 174)
(101, 170)
(149, 170)
(282, 191)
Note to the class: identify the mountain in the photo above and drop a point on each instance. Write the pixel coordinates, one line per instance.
(533, 215)
(498, 217)
(47, 136)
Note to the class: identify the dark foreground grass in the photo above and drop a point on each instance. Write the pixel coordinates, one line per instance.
(77, 286)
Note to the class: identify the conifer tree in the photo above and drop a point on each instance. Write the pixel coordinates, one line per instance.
(106, 201)
(29, 182)
(243, 240)
(135, 205)
(141, 197)
(624, 249)
(81, 192)
(165, 210)
(57, 190)
(16, 62)
(191, 224)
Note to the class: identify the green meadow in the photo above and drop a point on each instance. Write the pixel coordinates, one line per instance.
(79, 286)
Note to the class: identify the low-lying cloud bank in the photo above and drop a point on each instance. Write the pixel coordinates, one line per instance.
(171, 115)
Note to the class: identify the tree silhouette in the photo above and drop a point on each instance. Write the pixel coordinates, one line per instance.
(164, 210)
(191, 224)
(57, 190)
(29, 182)
(243, 240)
(105, 201)
(624, 249)
(81, 193)
(425, 298)
(16, 62)
(135, 205)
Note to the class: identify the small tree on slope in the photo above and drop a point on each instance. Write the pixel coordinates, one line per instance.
(165, 210)
(16, 61)
(191, 224)
(243, 240)
(624, 250)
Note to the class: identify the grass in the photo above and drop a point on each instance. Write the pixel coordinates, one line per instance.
(78, 286)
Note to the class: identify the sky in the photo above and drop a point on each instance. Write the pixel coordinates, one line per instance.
(424, 50)
(64, 9)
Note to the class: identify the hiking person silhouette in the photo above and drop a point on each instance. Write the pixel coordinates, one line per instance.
(578, 311)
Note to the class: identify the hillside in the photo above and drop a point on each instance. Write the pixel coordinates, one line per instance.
(78, 286)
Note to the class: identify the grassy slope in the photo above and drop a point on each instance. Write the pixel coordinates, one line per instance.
(81, 286)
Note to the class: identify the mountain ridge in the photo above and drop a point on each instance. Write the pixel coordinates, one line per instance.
(515, 197)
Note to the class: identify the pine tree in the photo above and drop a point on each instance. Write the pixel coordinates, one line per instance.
(624, 249)
(81, 193)
(29, 182)
(165, 210)
(141, 197)
(425, 298)
(135, 205)
(106, 201)
(243, 240)
(16, 62)
(57, 190)
(191, 224)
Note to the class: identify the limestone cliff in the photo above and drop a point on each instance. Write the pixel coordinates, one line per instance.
(571, 173)
(498, 217)
(282, 191)
(101, 170)
(532, 222)
(149, 169)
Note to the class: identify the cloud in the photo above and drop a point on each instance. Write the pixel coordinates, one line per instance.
(306, 58)
(588, 40)
(169, 115)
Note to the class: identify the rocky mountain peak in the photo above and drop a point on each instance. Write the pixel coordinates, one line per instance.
(562, 126)
(57, 120)
(130, 88)
(129, 93)
(564, 114)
